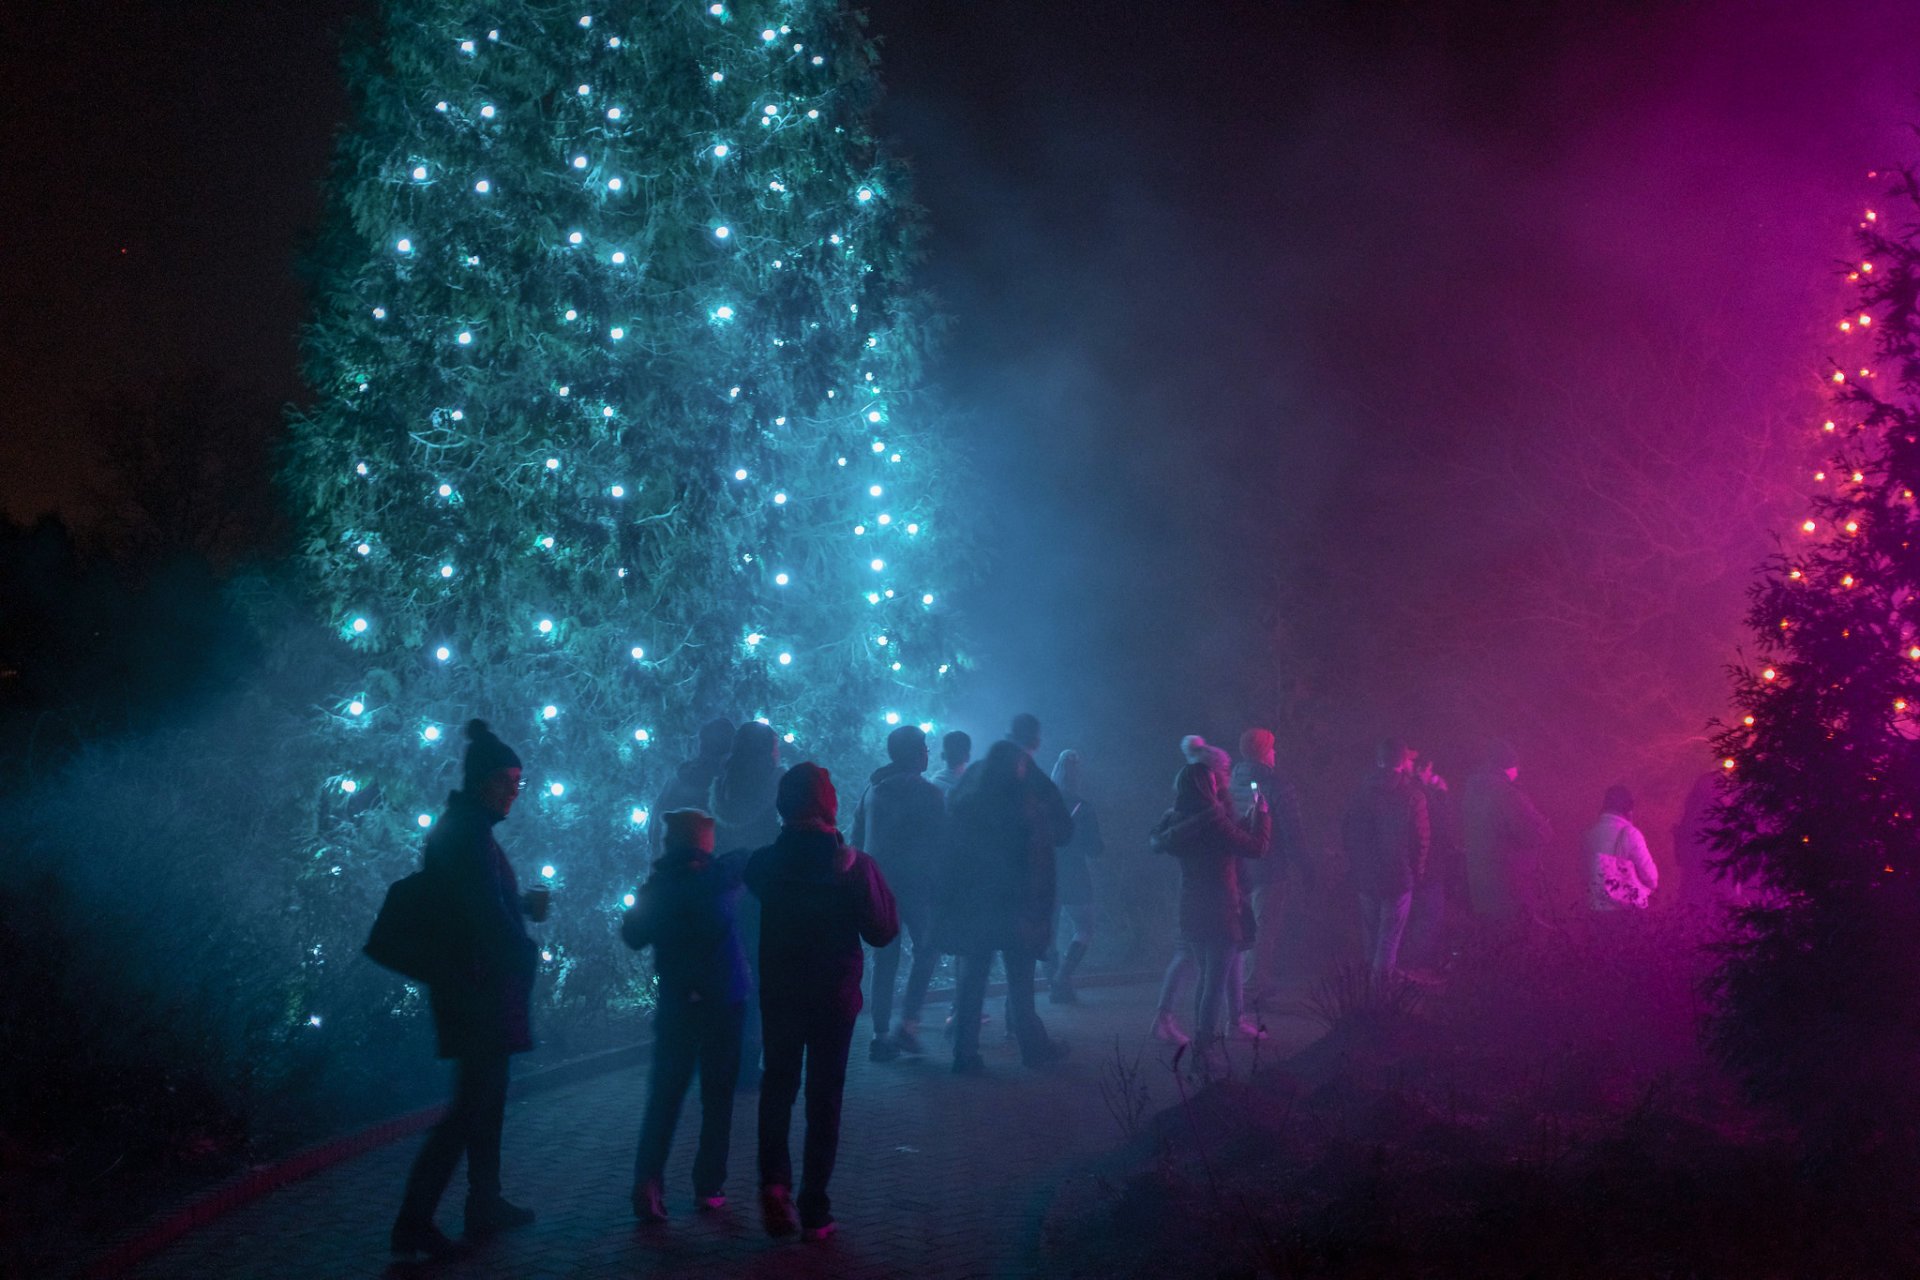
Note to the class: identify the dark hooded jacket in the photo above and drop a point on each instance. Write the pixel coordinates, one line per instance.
(997, 889)
(1286, 847)
(485, 1008)
(901, 822)
(1386, 834)
(1209, 841)
(819, 899)
(686, 912)
(691, 787)
(1505, 837)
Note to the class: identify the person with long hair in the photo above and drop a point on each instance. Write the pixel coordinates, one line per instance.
(1208, 838)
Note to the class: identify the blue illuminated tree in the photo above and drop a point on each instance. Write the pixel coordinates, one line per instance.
(618, 426)
(1820, 976)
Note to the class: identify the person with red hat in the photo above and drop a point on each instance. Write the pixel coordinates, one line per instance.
(686, 911)
(819, 899)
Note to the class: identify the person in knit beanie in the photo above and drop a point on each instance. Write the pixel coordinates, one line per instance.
(819, 899)
(687, 911)
(481, 1011)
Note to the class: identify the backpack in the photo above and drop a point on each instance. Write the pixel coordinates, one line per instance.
(409, 936)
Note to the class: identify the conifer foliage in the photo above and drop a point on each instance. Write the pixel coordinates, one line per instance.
(1819, 985)
(619, 425)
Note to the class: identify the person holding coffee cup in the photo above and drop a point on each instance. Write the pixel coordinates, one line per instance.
(481, 1014)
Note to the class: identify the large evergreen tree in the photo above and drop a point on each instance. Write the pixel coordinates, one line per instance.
(1819, 985)
(618, 426)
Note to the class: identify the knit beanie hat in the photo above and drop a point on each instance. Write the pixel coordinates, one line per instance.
(1256, 742)
(486, 755)
(1198, 750)
(806, 797)
(688, 831)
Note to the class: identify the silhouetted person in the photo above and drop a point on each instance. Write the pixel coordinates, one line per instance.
(1208, 839)
(686, 911)
(1386, 837)
(1073, 874)
(742, 805)
(820, 897)
(1693, 845)
(1184, 968)
(956, 752)
(1256, 772)
(480, 1011)
(997, 894)
(1620, 871)
(691, 786)
(901, 823)
(1504, 837)
(1442, 892)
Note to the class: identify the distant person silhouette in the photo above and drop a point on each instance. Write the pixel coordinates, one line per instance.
(820, 898)
(901, 823)
(1386, 836)
(1074, 875)
(997, 895)
(1504, 838)
(956, 752)
(1621, 874)
(687, 912)
(691, 786)
(481, 1010)
(742, 804)
(1266, 879)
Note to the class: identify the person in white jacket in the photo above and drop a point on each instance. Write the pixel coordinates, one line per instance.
(1620, 870)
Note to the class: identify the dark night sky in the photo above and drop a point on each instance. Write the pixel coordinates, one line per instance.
(1232, 281)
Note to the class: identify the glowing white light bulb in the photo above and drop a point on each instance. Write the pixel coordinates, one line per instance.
(878, 565)
(547, 542)
(881, 641)
(349, 786)
(913, 528)
(547, 956)
(874, 490)
(425, 820)
(819, 61)
(314, 1020)
(359, 626)
(618, 491)
(628, 900)
(584, 90)
(486, 112)
(723, 313)
(606, 411)
(813, 115)
(755, 638)
(446, 491)
(443, 653)
(575, 237)
(613, 113)
(431, 733)
(617, 333)
(553, 464)
(355, 707)
(419, 172)
(459, 415)
(614, 184)
(639, 817)
(483, 186)
(641, 735)
(865, 194)
(873, 597)
(360, 469)
(721, 233)
(404, 246)
(586, 20)
(446, 571)
(717, 77)
(466, 337)
(779, 499)
(786, 659)
(786, 737)
(781, 579)
(546, 626)
(613, 42)
(494, 34)
(770, 109)
(859, 530)
(884, 518)
(927, 598)
(720, 150)
(740, 473)
(769, 34)
(556, 788)
(466, 46)
(873, 415)
(549, 712)
(716, 9)
(379, 313)
(579, 162)
(638, 653)
(365, 549)
(547, 872)
(571, 315)
(893, 717)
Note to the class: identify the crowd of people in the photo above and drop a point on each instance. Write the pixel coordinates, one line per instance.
(759, 913)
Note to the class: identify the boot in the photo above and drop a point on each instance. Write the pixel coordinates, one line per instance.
(424, 1238)
(486, 1218)
(649, 1204)
(777, 1213)
(1165, 1028)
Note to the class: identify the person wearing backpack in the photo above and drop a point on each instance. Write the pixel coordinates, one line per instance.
(480, 1003)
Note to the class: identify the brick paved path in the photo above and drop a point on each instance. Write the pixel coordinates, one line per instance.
(939, 1175)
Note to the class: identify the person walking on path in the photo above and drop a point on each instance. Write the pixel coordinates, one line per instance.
(1621, 874)
(481, 1012)
(1074, 875)
(745, 819)
(686, 912)
(1209, 839)
(691, 786)
(956, 752)
(1265, 879)
(1386, 836)
(819, 898)
(997, 894)
(1504, 837)
(901, 822)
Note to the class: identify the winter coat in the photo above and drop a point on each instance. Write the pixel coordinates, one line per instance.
(1386, 835)
(1446, 863)
(1503, 835)
(1209, 844)
(690, 788)
(819, 898)
(1073, 874)
(1620, 870)
(485, 1008)
(901, 823)
(744, 822)
(997, 889)
(1287, 847)
(687, 912)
